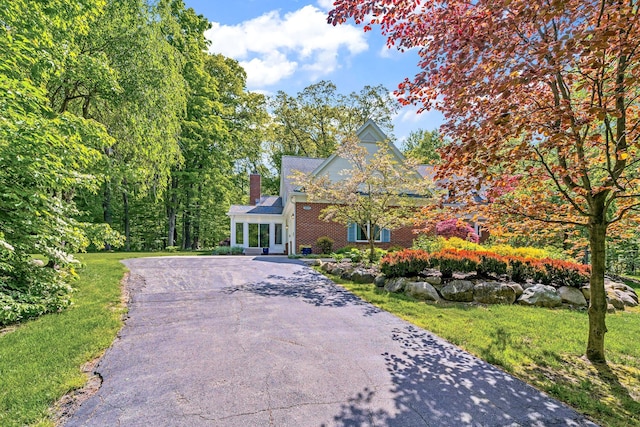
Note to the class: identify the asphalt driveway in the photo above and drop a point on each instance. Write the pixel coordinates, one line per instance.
(264, 341)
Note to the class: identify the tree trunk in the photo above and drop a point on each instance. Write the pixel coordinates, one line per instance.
(127, 222)
(186, 221)
(106, 209)
(172, 211)
(598, 302)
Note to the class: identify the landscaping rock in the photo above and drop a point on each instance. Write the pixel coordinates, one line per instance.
(517, 287)
(626, 298)
(422, 290)
(586, 291)
(611, 308)
(433, 280)
(362, 275)
(572, 296)
(540, 296)
(328, 266)
(396, 284)
(379, 280)
(614, 299)
(494, 293)
(347, 274)
(458, 290)
(337, 271)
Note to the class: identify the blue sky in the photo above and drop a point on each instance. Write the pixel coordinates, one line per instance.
(287, 45)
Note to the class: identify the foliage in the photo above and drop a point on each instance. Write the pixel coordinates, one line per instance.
(228, 250)
(378, 189)
(456, 228)
(312, 123)
(346, 249)
(423, 146)
(325, 244)
(405, 263)
(437, 243)
(541, 101)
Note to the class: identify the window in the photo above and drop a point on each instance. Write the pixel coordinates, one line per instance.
(239, 233)
(258, 235)
(358, 233)
(254, 238)
(278, 236)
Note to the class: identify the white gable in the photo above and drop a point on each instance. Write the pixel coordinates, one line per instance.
(370, 136)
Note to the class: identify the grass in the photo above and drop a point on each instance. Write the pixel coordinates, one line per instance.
(542, 347)
(40, 360)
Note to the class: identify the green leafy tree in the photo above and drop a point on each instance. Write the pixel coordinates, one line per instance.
(378, 191)
(45, 156)
(423, 145)
(311, 123)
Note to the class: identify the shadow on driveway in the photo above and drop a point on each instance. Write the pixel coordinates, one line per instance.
(308, 286)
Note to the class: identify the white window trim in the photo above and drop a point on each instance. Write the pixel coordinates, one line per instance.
(368, 231)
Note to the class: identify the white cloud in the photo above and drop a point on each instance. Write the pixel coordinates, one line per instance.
(271, 47)
(326, 4)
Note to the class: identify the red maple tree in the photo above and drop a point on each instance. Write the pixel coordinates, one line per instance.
(543, 90)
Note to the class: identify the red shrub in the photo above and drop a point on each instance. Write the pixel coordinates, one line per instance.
(456, 228)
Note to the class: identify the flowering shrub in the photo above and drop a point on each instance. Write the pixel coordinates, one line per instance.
(456, 228)
(404, 263)
(410, 262)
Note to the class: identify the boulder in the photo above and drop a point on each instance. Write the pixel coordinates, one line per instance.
(346, 274)
(517, 287)
(362, 275)
(626, 298)
(611, 308)
(572, 296)
(336, 271)
(458, 290)
(540, 296)
(422, 290)
(614, 299)
(379, 280)
(586, 291)
(494, 293)
(396, 284)
(433, 280)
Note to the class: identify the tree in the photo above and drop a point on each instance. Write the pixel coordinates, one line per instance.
(543, 91)
(45, 157)
(456, 228)
(423, 146)
(379, 190)
(313, 122)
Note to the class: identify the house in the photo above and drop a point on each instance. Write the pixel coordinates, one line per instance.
(286, 223)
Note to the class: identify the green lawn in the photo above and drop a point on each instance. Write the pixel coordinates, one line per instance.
(41, 359)
(541, 346)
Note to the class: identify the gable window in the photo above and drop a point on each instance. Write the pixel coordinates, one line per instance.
(358, 233)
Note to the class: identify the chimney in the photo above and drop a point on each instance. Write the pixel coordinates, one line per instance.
(254, 188)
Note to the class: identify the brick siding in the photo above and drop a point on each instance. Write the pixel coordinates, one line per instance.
(309, 227)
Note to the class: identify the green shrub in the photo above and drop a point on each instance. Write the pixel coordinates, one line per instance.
(221, 250)
(395, 248)
(492, 264)
(346, 249)
(171, 248)
(237, 250)
(325, 244)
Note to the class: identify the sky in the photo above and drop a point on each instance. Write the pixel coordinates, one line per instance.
(288, 45)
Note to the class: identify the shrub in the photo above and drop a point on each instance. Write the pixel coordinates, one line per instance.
(451, 260)
(456, 228)
(404, 263)
(325, 244)
(221, 250)
(492, 264)
(171, 249)
(395, 248)
(346, 249)
(237, 250)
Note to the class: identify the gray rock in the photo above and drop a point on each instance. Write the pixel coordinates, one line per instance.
(517, 287)
(379, 280)
(433, 280)
(540, 296)
(422, 290)
(362, 275)
(337, 271)
(396, 284)
(572, 296)
(586, 291)
(627, 298)
(614, 299)
(458, 290)
(611, 308)
(494, 293)
(347, 274)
